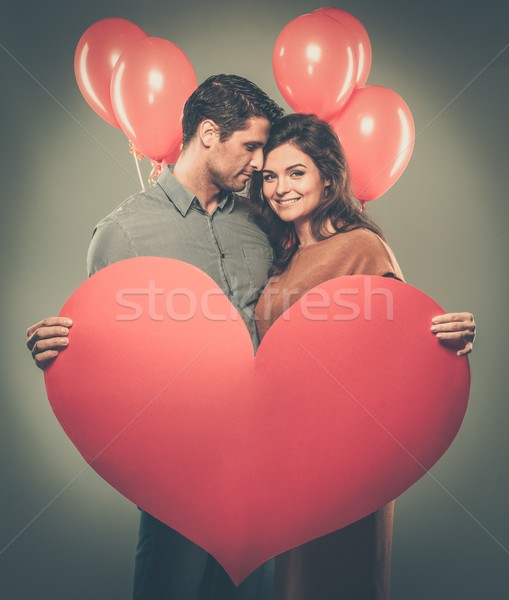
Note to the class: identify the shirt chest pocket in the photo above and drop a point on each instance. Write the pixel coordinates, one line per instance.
(259, 261)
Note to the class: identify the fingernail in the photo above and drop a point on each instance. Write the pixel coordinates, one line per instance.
(433, 328)
(439, 335)
(434, 320)
(68, 322)
(64, 331)
(64, 341)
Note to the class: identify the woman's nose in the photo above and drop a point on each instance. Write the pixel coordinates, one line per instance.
(282, 187)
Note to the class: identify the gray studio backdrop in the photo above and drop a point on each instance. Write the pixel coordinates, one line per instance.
(64, 532)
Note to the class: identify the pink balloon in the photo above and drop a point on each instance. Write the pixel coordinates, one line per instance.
(377, 132)
(360, 37)
(149, 87)
(315, 64)
(96, 54)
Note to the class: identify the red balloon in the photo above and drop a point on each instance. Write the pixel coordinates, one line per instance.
(248, 457)
(96, 54)
(377, 132)
(315, 64)
(159, 166)
(149, 87)
(172, 158)
(360, 37)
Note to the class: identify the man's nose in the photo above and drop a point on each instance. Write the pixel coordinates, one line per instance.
(257, 159)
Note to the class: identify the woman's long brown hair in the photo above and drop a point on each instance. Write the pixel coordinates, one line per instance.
(339, 207)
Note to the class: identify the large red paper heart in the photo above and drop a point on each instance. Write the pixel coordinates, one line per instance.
(349, 401)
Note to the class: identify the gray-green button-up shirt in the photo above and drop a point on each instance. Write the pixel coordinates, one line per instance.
(167, 220)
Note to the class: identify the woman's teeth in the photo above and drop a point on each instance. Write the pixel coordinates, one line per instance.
(287, 202)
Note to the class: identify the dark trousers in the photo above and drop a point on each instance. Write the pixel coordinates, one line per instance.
(170, 567)
(350, 564)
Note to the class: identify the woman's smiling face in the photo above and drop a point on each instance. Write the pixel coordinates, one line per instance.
(292, 184)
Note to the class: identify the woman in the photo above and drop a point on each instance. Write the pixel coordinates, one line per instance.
(319, 232)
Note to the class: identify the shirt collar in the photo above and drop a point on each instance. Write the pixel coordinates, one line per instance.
(226, 203)
(182, 198)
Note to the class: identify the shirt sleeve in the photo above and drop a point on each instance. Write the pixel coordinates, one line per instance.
(110, 243)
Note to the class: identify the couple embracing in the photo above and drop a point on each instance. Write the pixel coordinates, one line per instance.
(299, 227)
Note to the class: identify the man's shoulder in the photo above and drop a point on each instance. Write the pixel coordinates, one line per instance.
(143, 201)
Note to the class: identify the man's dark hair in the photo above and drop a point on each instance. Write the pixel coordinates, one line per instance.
(229, 101)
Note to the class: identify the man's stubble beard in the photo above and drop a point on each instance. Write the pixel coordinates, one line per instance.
(224, 184)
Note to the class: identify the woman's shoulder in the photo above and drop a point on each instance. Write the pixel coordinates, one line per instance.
(366, 252)
(360, 238)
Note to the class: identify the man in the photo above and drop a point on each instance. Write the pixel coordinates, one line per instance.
(192, 214)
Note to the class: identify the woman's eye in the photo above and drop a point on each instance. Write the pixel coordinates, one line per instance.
(268, 177)
(297, 173)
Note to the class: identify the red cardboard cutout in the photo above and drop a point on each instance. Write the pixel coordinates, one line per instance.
(348, 402)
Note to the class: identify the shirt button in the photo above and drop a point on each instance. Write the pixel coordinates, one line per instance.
(223, 254)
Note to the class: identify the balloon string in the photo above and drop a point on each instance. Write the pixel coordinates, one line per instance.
(137, 162)
(137, 157)
(155, 173)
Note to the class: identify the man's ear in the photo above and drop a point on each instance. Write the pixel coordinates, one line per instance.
(208, 132)
(326, 183)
